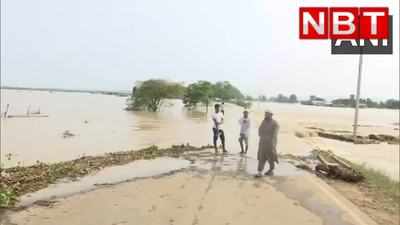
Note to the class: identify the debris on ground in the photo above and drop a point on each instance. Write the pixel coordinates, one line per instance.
(17, 181)
(45, 203)
(304, 134)
(67, 134)
(343, 135)
(348, 138)
(335, 167)
(385, 138)
(327, 164)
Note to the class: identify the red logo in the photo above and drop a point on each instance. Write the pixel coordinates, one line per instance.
(358, 25)
(343, 23)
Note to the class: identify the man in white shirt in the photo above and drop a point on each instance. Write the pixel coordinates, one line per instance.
(244, 132)
(218, 121)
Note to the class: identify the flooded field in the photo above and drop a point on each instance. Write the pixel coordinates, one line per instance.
(100, 124)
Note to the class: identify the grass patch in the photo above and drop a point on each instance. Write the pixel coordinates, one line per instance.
(381, 183)
(7, 198)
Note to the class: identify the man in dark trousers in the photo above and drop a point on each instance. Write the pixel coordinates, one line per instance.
(218, 121)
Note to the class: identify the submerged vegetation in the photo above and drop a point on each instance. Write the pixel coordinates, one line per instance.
(205, 93)
(17, 181)
(149, 95)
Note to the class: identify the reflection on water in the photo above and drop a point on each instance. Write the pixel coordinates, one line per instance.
(101, 125)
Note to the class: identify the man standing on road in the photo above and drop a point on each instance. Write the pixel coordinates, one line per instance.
(268, 133)
(218, 120)
(244, 132)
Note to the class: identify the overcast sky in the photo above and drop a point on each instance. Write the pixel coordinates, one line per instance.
(104, 44)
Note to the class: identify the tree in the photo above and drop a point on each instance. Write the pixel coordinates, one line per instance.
(199, 92)
(293, 98)
(262, 98)
(204, 92)
(249, 98)
(281, 98)
(392, 104)
(150, 94)
(226, 91)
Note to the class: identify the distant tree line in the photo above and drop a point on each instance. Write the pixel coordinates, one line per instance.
(351, 102)
(150, 94)
(279, 98)
(314, 100)
(284, 99)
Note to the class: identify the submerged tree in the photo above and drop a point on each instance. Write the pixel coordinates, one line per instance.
(293, 98)
(149, 95)
(226, 91)
(199, 92)
(205, 92)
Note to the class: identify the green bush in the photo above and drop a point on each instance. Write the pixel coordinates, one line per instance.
(7, 198)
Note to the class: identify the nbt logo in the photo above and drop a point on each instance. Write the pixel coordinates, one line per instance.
(352, 30)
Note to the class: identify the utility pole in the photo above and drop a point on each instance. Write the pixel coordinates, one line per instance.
(355, 125)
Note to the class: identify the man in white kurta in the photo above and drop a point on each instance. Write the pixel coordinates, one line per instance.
(244, 123)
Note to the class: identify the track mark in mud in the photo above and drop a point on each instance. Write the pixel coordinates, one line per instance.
(164, 195)
(120, 223)
(206, 191)
(153, 208)
(195, 220)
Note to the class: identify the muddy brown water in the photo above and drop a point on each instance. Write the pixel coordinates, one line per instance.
(100, 125)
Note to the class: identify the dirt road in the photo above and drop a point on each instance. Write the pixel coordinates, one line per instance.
(213, 190)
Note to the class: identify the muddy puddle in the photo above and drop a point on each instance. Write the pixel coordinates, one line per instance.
(236, 164)
(107, 176)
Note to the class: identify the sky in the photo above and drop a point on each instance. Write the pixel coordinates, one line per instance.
(254, 44)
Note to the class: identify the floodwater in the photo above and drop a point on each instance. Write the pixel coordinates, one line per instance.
(101, 125)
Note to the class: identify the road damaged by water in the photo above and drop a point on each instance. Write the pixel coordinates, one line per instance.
(199, 187)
